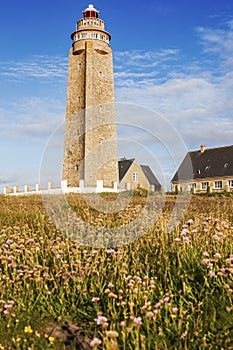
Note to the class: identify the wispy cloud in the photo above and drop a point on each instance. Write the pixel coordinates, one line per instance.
(36, 67)
(34, 118)
(218, 41)
(194, 94)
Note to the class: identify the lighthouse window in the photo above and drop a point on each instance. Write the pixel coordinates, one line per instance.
(100, 74)
(101, 37)
(76, 167)
(79, 66)
(79, 99)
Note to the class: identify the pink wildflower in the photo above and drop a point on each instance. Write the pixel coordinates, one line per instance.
(174, 309)
(95, 342)
(101, 320)
(95, 299)
(137, 321)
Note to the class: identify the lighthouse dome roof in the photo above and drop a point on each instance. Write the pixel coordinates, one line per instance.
(90, 8)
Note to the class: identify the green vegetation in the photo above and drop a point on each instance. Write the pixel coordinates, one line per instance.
(165, 290)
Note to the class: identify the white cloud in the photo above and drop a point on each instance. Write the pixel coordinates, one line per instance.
(34, 118)
(218, 41)
(36, 67)
(195, 95)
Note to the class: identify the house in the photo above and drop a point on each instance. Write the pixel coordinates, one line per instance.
(132, 175)
(205, 170)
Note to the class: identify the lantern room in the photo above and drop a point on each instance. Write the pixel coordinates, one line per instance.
(90, 12)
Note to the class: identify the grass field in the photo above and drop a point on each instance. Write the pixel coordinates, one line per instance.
(167, 289)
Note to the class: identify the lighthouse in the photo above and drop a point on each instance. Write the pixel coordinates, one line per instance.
(90, 147)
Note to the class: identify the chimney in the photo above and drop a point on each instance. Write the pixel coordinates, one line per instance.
(202, 148)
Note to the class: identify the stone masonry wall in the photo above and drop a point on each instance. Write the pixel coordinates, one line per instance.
(90, 138)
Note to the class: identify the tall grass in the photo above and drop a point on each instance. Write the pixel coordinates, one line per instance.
(165, 290)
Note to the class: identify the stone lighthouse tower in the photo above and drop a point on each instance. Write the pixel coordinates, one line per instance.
(90, 150)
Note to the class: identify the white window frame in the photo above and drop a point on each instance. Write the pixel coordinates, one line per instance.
(230, 183)
(204, 185)
(135, 176)
(218, 185)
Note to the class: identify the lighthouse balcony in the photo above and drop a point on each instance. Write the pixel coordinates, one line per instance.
(92, 22)
(77, 36)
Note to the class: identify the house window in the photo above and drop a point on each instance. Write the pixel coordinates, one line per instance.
(135, 177)
(218, 184)
(192, 187)
(204, 185)
(230, 182)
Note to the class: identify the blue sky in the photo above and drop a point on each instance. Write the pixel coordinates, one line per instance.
(172, 57)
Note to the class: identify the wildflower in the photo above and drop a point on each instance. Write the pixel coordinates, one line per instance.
(137, 321)
(37, 334)
(51, 340)
(157, 305)
(101, 320)
(206, 254)
(122, 324)
(110, 251)
(177, 239)
(150, 314)
(112, 334)
(184, 232)
(95, 299)
(186, 239)
(95, 342)
(217, 256)
(205, 261)
(110, 285)
(174, 309)
(112, 295)
(18, 340)
(166, 299)
(216, 238)
(28, 329)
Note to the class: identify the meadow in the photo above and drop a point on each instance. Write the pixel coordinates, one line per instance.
(164, 289)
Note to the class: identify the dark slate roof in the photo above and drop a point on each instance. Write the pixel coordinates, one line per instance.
(123, 166)
(213, 162)
(151, 177)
